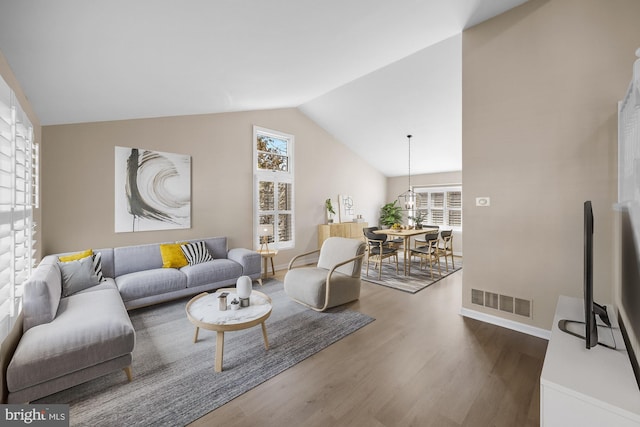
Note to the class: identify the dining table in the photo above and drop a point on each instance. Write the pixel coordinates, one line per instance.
(406, 235)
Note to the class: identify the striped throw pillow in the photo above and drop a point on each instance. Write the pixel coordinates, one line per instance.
(97, 265)
(196, 253)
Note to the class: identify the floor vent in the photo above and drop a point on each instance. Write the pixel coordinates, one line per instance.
(506, 303)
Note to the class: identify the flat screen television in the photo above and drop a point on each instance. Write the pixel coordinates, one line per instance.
(591, 308)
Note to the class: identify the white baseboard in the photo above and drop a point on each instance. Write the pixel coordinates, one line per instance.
(506, 323)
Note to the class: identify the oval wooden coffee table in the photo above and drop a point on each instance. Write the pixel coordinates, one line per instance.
(204, 313)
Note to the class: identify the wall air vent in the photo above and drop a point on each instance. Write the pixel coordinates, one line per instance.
(477, 297)
(523, 307)
(506, 303)
(491, 300)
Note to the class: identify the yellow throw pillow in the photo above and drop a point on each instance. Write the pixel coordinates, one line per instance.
(74, 257)
(172, 255)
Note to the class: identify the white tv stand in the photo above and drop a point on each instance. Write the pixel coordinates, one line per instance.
(580, 387)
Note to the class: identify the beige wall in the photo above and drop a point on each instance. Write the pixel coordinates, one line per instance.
(10, 78)
(398, 185)
(78, 177)
(540, 91)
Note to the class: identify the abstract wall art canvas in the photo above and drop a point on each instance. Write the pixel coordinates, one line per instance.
(153, 190)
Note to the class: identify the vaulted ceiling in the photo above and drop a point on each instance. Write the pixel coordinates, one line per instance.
(368, 71)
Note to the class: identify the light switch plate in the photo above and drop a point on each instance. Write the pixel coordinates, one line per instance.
(483, 201)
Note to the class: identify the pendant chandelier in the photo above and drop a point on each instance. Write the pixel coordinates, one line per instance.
(409, 199)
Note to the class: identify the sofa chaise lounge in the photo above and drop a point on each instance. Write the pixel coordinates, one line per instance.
(66, 336)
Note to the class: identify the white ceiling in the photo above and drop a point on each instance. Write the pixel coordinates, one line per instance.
(340, 61)
(419, 95)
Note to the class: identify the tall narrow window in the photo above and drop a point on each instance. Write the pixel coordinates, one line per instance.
(441, 206)
(18, 198)
(273, 193)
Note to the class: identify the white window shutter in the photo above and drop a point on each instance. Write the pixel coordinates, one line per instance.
(18, 197)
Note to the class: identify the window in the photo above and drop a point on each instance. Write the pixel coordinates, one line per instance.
(273, 193)
(441, 206)
(18, 197)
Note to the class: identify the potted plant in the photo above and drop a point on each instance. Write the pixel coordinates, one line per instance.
(390, 214)
(418, 219)
(329, 209)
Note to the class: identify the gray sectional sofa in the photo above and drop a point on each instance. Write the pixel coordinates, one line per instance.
(63, 340)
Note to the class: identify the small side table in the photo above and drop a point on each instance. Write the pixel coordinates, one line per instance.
(267, 254)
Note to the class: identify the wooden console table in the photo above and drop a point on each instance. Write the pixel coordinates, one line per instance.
(352, 230)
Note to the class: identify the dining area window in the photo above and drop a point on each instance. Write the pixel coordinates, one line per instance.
(441, 206)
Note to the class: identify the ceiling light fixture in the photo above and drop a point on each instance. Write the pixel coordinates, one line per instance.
(409, 199)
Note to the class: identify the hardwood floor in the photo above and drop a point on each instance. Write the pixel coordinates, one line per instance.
(420, 363)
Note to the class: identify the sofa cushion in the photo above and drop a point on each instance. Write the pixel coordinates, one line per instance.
(97, 265)
(96, 257)
(90, 328)
(77, 275)
(217, 246)
(76, 256)
(103, 265)
(107, 283)
(196, 253)
(41, 296)
(218, 270)
(150, 282)
(106, 262)
(130, 259)
(172, 255)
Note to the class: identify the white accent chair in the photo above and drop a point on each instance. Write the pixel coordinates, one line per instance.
(335, 280)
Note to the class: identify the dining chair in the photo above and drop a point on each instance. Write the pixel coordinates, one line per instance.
(428, 252)
(394, 243)
(379, 250)
(445, 247)
(422, 240)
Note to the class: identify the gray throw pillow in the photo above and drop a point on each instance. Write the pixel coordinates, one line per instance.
(77, 275)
